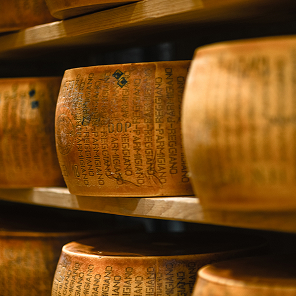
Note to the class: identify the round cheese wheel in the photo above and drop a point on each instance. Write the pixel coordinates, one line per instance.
(118, 130)
(143, 264)
(239, 124)
(20, 14)
(264, 276)
(27, 143)
(63, 9)
(31, 241)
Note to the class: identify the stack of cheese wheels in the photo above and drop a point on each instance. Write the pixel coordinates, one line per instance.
(239, 124)
(118, 130)
(31, 241)
(146, 264)
(27, 143)
(264, 276)
(63, 9)
(20, 14)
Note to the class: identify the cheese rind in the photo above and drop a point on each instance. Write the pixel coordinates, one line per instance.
(28, 261)
(27, 144)
(238, 123)
(142, 264)
(118, 130)
(20, 14)
(31, 239)
(268, 275)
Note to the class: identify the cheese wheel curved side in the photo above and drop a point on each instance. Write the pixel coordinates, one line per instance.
(239, 124)
(27, 144)
(21, 14)
(118, 130)
(270, 275)
(28, 263)
(127, 265)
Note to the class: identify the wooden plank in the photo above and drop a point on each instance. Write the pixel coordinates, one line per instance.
(172, 208)
(130, 21)
(186, 209)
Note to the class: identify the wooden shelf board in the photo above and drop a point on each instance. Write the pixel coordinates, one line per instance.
(172, 208)
(128, 22)
(187, 209)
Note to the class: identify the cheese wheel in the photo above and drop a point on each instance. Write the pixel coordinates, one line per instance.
(27, 144)
(63, 9)
(264, 276)
(239, 124)
(20, 14)
(31, 241)
(118, 130)
(146, 264)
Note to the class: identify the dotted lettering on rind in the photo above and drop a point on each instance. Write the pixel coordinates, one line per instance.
(167, 277)
(129, 134)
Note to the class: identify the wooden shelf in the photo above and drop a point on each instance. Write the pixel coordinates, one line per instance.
(186, 209)
(127, 23)
(174, 208)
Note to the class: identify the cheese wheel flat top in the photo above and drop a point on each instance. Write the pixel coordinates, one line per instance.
(244, 46)
(263, 272)
(163, 244)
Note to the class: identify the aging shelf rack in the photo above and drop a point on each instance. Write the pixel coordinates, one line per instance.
(184, 23)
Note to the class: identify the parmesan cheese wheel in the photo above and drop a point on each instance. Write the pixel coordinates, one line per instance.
(27, 144)
(147, 264)
(239, 124)
(118, 130)
(63, 9)
(30, 245)
(264, 276)
(20, 14)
